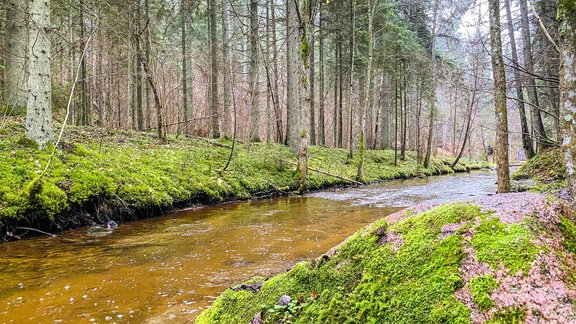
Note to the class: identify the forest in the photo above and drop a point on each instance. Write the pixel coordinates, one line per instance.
(124, 120)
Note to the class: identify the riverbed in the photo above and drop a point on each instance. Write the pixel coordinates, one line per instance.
(170, 268)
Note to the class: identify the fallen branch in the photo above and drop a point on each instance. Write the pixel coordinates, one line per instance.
(330, 174)
(36, 230)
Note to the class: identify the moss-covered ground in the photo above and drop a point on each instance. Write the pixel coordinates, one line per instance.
(404, 272)
(98, 173)
(547, 167)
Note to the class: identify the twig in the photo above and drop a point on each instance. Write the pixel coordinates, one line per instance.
(330, 174)
(68, 106)
(544, 30)
(36, 230)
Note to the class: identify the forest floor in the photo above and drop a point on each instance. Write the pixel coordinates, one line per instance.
(97, 174)
(506, 258)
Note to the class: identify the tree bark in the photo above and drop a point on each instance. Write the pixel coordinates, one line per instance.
(187, 95)
(311, 70)
(39, 102)
(501, 147)
(226, 60)
(292, 67)
(16, 73)
(321, 114)
(214, 130)
(567, 16)
(433, 84)
(253, 73)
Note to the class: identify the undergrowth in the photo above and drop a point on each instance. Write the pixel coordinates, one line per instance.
(98, 170)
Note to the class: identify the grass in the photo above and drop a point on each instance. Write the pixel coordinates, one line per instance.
(97, 173)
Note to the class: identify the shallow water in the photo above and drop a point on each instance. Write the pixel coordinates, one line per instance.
(170, 268)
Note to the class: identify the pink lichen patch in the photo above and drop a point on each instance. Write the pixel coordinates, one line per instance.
(412, 211)
(392, 238)
(542, 293)
(450, 229)
(512, 208)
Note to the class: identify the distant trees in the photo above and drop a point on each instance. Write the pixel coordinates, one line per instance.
(358, 75)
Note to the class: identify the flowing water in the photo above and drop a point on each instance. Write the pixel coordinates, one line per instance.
(168, 269)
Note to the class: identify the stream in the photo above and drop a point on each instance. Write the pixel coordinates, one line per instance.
(171, 268)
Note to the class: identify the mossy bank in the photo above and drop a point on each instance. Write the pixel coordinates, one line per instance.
(457, 263)
(99, 174)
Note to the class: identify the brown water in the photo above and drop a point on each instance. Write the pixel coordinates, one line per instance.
(168, 269)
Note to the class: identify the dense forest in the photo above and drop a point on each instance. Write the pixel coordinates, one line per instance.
(351, 74)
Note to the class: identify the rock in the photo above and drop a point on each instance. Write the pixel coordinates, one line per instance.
(284, 300)
(257, 319)
(254, 287)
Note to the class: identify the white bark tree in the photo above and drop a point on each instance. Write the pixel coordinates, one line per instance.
(567, 15)
(39, 103)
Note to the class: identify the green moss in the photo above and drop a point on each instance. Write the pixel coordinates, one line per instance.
(366, 282)
(480, 288)
(496, 242)
(509, 315)
(546, 167)
(132, 170)
(568, 229)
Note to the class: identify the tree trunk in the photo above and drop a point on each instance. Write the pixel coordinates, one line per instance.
(292, 67)
(311, 68)
(253, 73)
(351, 84)
(367, 92)
(16, 70)
(539, 132)
(214, 130)
(321, 122)
(567, 16)
(226, 60)
(526, 138)
(501, 148)
(39, 102)
(187, 96)
(432, 85)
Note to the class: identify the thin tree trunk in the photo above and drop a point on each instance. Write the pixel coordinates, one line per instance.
(253, 73)
(187, 100)
(526, 138)
(292, 66)
(311, 66)
(539, 131)
(501, 154)
(321, 122)
(214, 131)
(351, 84)
(433, 84)
(16, 69)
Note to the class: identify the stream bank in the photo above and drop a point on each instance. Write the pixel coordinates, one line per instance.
(506, 258)
(99, 174)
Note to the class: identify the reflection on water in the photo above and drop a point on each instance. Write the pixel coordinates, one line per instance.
(172, 267)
